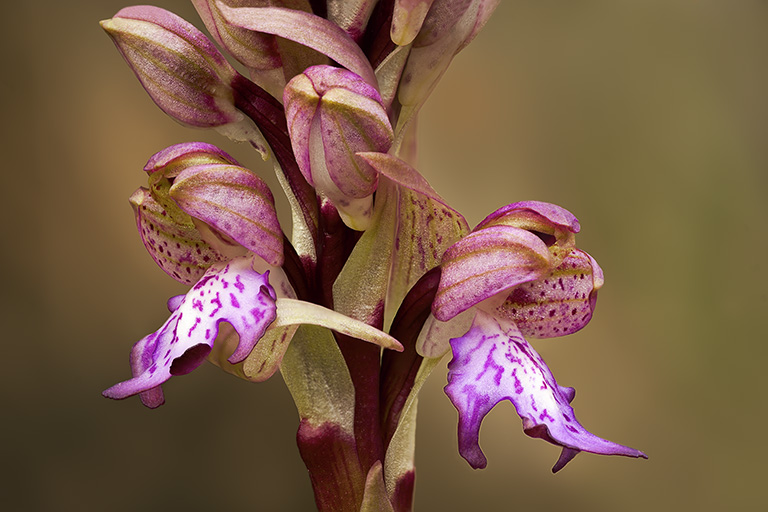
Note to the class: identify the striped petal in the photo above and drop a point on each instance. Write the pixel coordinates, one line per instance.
(163, 167)
(228, 292)
(493, 362)
(332, 114)
(486, 263)
(235, 202)
(304, 28)
(555, 225)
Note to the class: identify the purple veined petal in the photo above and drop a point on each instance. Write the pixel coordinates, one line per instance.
(170, 161)
(407, 20)
(179, 67)
(332, 113)
(178, 249)
(403, 174)
(559, 304)
(486, 263)
(533, 214)
(228, 292)
(235, 202)
(344, 135)
(174, 302)
(556, 226)
(301, 101)
(258, 52)
(306, 29)
(141, 360)
(435, 336)
(493, 362)
(350, 117)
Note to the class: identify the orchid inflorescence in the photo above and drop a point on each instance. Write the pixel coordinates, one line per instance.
(381, 278)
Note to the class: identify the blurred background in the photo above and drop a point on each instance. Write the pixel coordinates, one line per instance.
(646, 118)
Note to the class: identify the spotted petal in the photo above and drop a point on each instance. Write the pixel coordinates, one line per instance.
(177, 248)
(493, 362)
(228, 292)
(560, 304)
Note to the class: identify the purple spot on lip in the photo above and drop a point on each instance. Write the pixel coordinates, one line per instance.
(233, 300)
(545, 415)
(216, 301)
(191, 329)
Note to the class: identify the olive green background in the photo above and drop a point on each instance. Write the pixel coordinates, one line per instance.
(647, 119)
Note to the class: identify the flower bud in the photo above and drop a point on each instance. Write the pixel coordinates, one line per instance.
(407, 20)
(332, 114)
(180, 68)
(257, 51)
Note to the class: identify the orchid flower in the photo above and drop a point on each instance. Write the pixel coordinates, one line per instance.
(518, 274)
(380, 277)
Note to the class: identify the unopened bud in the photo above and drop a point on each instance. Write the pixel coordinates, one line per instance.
(333, 114)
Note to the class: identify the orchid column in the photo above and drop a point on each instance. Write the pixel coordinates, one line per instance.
(380, 278)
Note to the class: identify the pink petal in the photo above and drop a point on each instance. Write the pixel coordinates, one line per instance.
(235, 202)
(486, 263)
(306, 29)
(493, 362)
(533, 212)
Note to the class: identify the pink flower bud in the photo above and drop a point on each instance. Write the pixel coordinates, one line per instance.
(333, 114)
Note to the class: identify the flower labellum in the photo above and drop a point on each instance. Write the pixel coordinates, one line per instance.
(232, 292)
(333, 114)
(493, 362)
